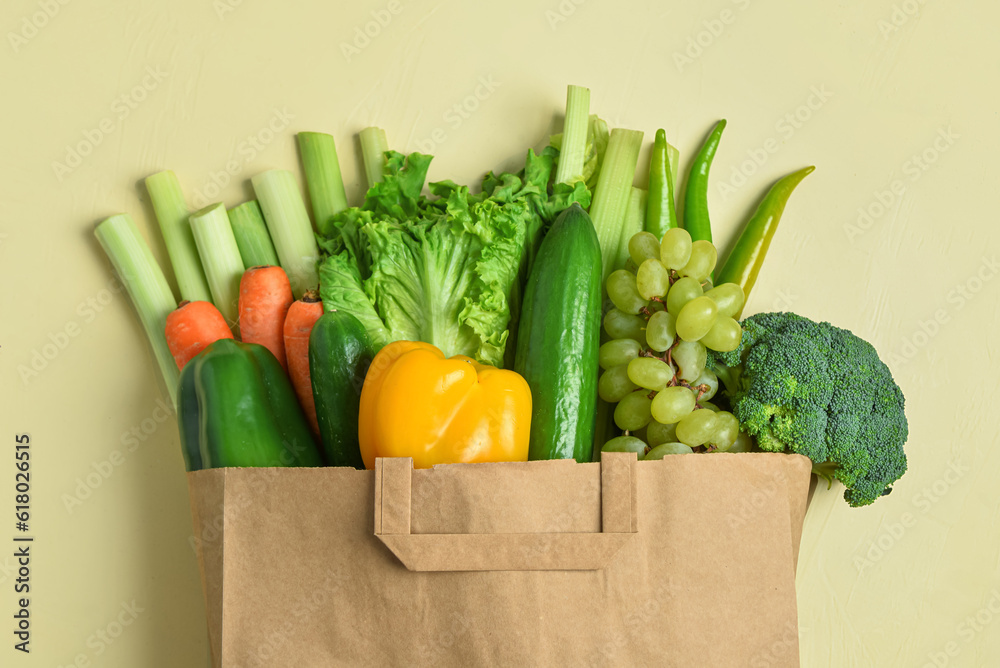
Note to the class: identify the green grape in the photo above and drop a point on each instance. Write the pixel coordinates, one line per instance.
(632, 412)
(727, 428)
(708, 378)
(702, 262)
(618, 352)
(664, 449)
(640, 434)
(625, 443)
(675, 248)
(724, 336)
(643, 246)
(657, 306)
(729, 298)
(696, 318)
(623, 292)
(650, 373)
(683, 291)
(620, 325)
(652, 279)
(672, 404)
(707, 284)
(657, 433)
(614, 384)
(660, 331)
(696, 428)
(709, 405)
(743, 443)
(690, 358)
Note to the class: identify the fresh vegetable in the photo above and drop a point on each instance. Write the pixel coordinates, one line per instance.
(558, 338)
(265, 296)
(172, 213)
(252, 238)
(220, 256)
(635, 218)
(288, 223)
(299, 321)
(441, 270)
(573, 148)
(614, 188)
(747, 256)
(696, 220)
(661, 212)
(192, 327)
(820, 391)
(146, 286)
(237, 408)
(323, 179)
(373, 147)
(339, 356)
(417, 403)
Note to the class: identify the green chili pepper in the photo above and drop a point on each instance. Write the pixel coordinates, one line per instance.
(745, 261)
(661, 215)
(696, 193)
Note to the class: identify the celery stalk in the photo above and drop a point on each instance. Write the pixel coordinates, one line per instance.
(146, 286)
(574, 139)
(673, 161)
(373, 147)
(635, 222)
(172, 214)
(614, 186)
(323, 178)
(252, 238)
(291, 231)
(220, 255)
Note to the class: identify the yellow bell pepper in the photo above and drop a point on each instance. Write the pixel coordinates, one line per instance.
(416, 403)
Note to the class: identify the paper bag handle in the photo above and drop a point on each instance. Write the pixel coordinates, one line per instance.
(506, 551)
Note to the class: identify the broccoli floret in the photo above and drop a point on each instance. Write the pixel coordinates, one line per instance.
(820, 391)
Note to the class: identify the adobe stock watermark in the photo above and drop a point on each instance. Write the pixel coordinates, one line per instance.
(457, 114)
(246, 151)
(371, 30)
(225, 7)
(562, 12)
(103, 638)
(902, 13)
(712, 30)
(121, 107)
(87, 310)
(31, 24)
(892, 533)
(433, 650)
(913, 168)
(966, 631)
(100, 471)
(637, 619)
(269, 647)
(780, 650)
(785, 128)
(956, 299)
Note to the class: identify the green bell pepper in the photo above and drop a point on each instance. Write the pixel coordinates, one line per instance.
(236, 407)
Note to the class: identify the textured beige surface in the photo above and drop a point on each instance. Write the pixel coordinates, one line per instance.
(910, 581)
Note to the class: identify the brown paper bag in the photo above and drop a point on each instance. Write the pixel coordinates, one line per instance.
(687, 561)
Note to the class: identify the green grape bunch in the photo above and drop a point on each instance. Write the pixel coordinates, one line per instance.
(666, 314)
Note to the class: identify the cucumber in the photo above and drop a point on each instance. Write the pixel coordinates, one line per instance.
(340, 353)
(559, 336)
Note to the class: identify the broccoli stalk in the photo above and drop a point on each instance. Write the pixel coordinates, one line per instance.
(814, 389)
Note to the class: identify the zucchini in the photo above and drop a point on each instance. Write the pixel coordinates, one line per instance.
(340, 353)
(558, 338)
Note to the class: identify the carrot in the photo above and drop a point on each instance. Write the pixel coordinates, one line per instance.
(265, 295)
(299, 321)
(191, 327)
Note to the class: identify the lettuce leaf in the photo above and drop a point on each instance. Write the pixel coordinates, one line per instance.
(447, 270)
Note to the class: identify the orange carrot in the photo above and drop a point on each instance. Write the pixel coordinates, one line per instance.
(193, 326)
(265, 295)
(299, 321)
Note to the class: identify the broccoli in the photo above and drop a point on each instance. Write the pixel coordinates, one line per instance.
(817, 390)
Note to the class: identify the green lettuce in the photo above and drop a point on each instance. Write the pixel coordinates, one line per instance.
(447, 269)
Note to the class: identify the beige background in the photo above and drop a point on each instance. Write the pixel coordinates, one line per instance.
(862, 93)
